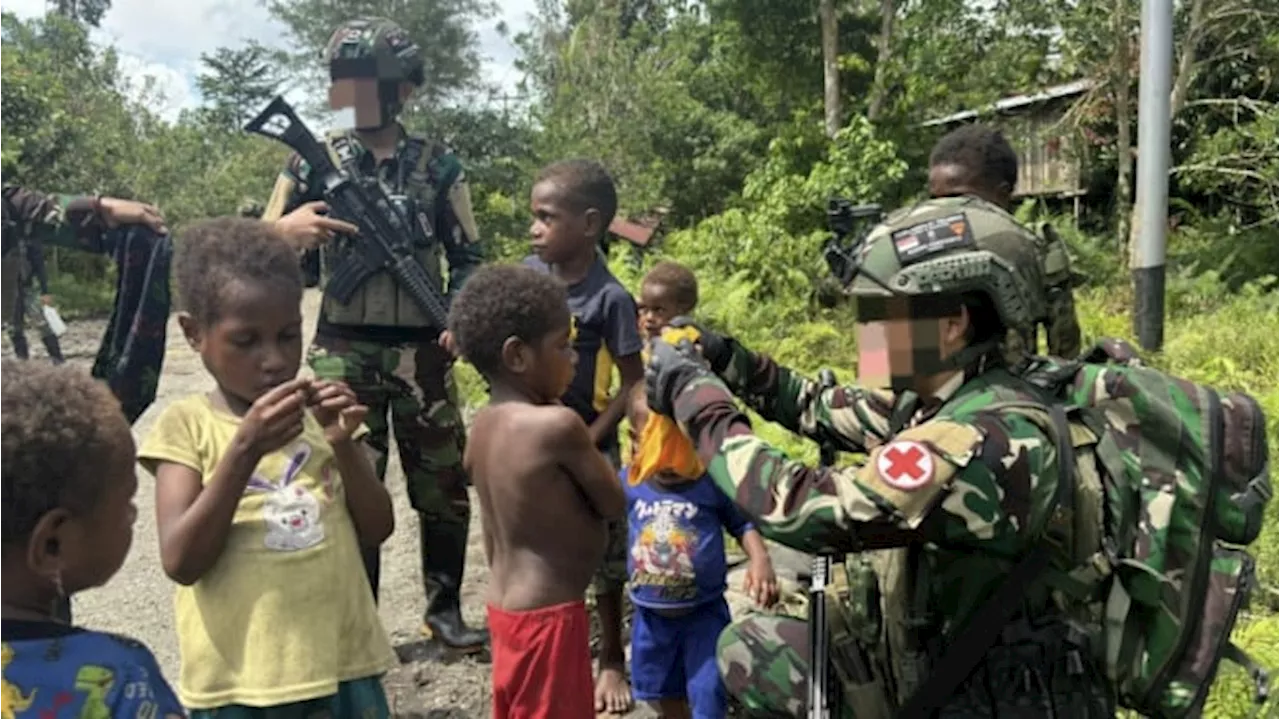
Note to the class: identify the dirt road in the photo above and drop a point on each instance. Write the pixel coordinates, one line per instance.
(139, 600)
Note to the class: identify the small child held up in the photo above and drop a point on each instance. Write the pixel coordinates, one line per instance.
(264, 498)
(545, 491)
(677, 562)
(68, 487)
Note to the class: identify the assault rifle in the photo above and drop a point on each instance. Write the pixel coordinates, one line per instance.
(384, 239)
(824, 692)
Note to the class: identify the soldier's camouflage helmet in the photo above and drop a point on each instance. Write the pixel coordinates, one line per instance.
(952, 246)
(374, 47)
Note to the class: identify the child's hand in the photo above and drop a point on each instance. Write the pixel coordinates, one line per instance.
(761, 583)
(273, 419)
(335, 407)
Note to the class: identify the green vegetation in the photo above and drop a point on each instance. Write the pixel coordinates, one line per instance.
(713, 114)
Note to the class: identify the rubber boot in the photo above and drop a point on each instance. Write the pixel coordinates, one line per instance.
(20, 348)
(53, 348)
(444, 554)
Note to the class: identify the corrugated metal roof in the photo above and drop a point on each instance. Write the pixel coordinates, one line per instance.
(1016, 101)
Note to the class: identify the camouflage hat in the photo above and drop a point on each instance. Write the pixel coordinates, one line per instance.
(951, 246)
(374, 47)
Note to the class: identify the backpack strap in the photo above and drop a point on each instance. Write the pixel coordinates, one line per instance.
(1263, 682)
(971, 643)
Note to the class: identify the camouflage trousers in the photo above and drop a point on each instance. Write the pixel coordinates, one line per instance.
(764, 662)
(28, 315)
(410, 389)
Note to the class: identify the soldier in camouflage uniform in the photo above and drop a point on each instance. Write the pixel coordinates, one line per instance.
(82, 222)
(380, 342)
(976, 160)
(948, 497)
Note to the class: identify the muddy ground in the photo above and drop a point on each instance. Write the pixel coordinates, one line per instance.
(428, 683)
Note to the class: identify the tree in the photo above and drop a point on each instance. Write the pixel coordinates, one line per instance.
(88, 12)
(442, 29)
(237, 82)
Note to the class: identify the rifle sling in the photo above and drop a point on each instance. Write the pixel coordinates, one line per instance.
(972, 643)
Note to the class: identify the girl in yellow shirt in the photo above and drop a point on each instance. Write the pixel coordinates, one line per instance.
(264, 498)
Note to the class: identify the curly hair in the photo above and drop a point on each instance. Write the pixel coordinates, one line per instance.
(501, 301)
(980, 149)
(61, 429)
(214, 254)
(679, 281)
(585, 185)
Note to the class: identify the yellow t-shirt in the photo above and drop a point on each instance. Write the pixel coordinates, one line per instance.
(286, 613)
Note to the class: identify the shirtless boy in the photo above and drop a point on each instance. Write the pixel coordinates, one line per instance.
(545, 491)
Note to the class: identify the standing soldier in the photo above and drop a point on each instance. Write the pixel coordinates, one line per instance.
(380, 342)
(954, 489)
(31, 218)
(29, 306)
(977, 161)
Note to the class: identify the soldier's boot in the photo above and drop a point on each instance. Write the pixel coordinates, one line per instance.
(53, 348)
(443, 549)
(20, 348)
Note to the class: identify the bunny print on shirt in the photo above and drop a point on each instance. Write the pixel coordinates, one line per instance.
(291, 511)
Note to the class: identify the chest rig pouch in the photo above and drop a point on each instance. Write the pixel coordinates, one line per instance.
(411, 189)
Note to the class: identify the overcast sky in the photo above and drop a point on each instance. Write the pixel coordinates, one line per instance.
(164, 39)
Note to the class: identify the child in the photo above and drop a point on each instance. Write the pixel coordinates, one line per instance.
(573, 203)
(677, 561)
(545, 493)
(68, 492)
(666, 292)
(264, 499)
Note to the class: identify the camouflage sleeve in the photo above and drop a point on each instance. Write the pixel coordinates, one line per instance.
(64, 220)
(947, 481)
(290, 191)
(456, 224)
(849, 419)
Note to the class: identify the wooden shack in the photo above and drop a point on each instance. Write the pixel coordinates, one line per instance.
(1050, 160)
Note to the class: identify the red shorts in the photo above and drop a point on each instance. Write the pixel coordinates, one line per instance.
(542, 663)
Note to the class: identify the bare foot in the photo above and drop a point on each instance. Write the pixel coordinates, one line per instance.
(613, 693)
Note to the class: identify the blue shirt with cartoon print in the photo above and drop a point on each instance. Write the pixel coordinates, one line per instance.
(53, 671)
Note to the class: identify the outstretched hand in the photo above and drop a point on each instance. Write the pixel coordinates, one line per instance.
(669, 370)
(336, 408)
(713, 346)
(116, 212)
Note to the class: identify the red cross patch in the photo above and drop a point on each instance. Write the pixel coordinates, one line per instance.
(905, 465)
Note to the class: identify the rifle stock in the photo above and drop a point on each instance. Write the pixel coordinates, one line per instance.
(384, 231)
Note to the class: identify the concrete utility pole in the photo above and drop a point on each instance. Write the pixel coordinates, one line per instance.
(1152, 212)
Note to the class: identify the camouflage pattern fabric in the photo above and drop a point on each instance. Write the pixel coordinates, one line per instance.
(973, 482)
(412, 390)
(611, 576)
(29, 314)
(1061, 325)
(1186, 483)
(393, 55)
(132, 352)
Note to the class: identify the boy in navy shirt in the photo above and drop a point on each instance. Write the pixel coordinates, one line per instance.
(677, 576)
(573, 203)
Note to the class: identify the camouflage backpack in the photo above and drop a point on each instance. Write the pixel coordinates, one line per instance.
(1184, 482)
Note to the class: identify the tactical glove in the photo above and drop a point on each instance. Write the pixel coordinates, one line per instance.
(715, 347)
(670, 369)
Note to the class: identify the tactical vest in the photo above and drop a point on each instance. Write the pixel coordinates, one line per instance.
(891, 637)
(417, 192)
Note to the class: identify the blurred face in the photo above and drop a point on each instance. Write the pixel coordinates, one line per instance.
(254, 344)
(357, 102)
(657, 307)
(904, 342)
(559, 232)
